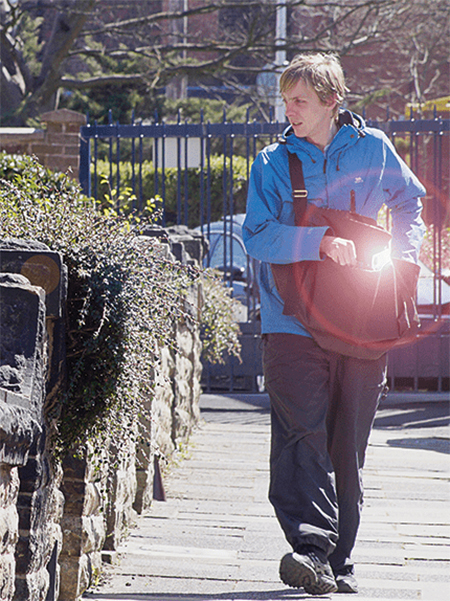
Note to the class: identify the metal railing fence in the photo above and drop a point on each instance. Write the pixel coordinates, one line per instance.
(179, 165)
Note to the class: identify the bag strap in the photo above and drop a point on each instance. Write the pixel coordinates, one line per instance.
(299, 192)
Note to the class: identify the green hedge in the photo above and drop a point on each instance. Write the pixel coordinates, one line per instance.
(124, 299)
(107, 195)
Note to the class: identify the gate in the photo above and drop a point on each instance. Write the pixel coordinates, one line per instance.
(197, 174)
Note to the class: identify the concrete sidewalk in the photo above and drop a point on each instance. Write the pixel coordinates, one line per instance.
(216, 537)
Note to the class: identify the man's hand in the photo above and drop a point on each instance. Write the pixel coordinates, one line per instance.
(340, 250)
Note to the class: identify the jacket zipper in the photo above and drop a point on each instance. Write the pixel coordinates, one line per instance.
(326, 182)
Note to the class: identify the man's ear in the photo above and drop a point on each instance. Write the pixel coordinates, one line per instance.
(331, 101)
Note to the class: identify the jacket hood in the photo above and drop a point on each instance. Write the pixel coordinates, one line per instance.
(346, 117)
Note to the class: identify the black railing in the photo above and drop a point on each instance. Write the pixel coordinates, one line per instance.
(198, 175)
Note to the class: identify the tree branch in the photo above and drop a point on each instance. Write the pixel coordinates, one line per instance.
(66, 28)
(83, 84)
(157, 17)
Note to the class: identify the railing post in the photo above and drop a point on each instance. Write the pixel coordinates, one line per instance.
(85, 161)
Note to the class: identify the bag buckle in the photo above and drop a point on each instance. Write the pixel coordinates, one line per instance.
(299, 193)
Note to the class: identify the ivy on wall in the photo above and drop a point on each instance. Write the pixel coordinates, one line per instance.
(124, 297)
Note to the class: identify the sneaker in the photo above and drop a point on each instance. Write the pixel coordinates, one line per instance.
(309, 571)
(346, 583)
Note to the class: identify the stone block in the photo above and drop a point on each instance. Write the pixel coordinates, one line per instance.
(184, 370)
(71, 527)
(60, 163)
(39, 541)
(183, 424)
(9, 525)
(73, 128)
(144, 488)
(121, 494)
(21, 342)
(75, 577)
(18, 430)
(73, 491)
(41, 266)
(7, 569)
(93, 533)
(57, 507)
(162, 416)
(9, 488)
(24, 509)
(32, 587)
(31, 475)
(64, 140)
(93, 500)
(22, 366)
(75, 467)
(53, 128)
(85, 534)
(193, 242)
(185, 341)
(23, 553)
(167, 363)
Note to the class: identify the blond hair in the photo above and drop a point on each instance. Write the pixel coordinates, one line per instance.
(320, 70)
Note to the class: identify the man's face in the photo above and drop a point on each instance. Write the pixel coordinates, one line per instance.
(308, 115)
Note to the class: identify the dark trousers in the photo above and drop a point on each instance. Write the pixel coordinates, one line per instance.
(323, 405)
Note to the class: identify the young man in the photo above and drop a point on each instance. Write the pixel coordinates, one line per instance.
(322, 403)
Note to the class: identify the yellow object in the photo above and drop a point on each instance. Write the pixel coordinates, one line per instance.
(442, 106)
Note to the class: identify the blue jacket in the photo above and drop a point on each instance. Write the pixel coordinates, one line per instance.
(359, 158)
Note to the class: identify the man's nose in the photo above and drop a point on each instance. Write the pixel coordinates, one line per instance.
(288, 109)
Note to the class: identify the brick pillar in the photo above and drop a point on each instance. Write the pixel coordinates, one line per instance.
(60, 149)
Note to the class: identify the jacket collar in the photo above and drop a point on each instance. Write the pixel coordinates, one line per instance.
(346, 121)
(346, 117)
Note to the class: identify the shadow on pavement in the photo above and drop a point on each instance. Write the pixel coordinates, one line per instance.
(276, 595)
(440, 445)
(426, 415)
(426, 423)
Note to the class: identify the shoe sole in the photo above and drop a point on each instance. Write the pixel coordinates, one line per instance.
(298, 573)
(345, 587)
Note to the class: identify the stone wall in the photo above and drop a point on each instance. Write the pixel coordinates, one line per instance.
(32, 288)
(57, 146)
(83, 525)
(101, 504)
(58, 523)
(9, 525)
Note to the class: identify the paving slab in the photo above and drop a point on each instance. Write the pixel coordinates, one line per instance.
(216, 537)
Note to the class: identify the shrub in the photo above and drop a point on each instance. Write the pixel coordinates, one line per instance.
(123, 296)
(219, 331)
(172, 186)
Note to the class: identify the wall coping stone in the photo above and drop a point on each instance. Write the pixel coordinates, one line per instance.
(24, 134)
(64, 116)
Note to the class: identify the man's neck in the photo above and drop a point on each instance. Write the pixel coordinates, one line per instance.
(327, 136)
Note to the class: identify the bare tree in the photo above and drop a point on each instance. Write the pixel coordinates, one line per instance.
(402, 57)
(53, 45)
